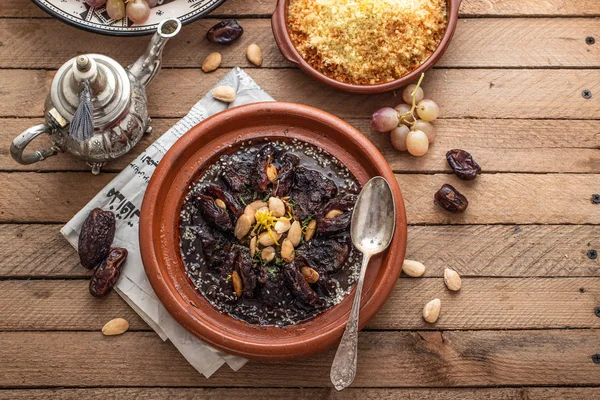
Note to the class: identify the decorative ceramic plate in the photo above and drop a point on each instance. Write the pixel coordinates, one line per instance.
(80, 15)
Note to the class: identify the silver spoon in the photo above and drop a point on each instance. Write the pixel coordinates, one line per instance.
(372, 228)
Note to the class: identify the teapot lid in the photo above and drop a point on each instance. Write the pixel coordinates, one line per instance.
(109, 84)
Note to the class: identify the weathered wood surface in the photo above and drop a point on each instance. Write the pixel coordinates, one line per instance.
(387, 359)
(461, 93)
(482, 303)
(30, 251)
(510, 91)
(547, 393)
(497, 145)
(480, 42)
(494, 198)
(471, 8)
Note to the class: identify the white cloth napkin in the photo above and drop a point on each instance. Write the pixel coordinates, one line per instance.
(124, 195)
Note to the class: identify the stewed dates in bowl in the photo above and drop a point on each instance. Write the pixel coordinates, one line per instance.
(264, 232)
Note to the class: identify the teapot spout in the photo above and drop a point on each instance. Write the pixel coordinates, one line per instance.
(147, 66)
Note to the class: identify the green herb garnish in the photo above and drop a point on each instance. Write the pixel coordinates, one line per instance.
(306, 221)
(258, 259)
(273, 271)
(279, 261)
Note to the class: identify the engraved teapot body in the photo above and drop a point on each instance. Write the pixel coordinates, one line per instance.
(96, 109)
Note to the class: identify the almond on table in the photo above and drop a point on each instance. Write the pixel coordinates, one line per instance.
(115, 326)
(212, 62)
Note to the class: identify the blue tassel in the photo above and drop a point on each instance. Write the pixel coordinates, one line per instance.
(82, 125)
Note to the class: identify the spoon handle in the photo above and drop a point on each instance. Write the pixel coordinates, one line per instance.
(343, 369)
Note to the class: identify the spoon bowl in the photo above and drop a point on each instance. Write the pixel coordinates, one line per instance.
(372, 230)
(374, 217)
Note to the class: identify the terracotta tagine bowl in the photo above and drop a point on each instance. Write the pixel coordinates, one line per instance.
(287, 48)
(159, 233)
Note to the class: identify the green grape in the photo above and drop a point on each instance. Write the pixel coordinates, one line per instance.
(398, 137)
(426, 127)
(404, 109)
(384, 119)
(407, 94)
(138, 11)
(428, 110)
(115, 9)
(417, 143)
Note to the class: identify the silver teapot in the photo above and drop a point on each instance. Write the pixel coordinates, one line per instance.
(96, 109)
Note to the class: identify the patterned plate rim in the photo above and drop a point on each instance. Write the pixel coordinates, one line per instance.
(137, 31)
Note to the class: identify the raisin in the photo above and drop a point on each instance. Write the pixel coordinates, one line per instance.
(225, 32)
(450, 199)
(463, 164)
(107, 274)
(96, 237)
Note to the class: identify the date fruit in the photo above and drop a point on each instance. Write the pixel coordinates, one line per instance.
(108, 272)
(96, 237)
(463, 164)
(450, 199)
(225, 32)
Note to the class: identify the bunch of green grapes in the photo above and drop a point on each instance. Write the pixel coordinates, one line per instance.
(409, 132)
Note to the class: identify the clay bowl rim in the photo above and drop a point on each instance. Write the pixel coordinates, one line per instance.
(159, 243)
(287, 48)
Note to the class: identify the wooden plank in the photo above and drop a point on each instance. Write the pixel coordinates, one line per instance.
(497, 145)
(535, 303)
(494, 198)
(242, 8)
(54, 197)
(481, 42)
(505, 251)
(60, 305)
(546, 393)
(493, 303)
(387, 359)
(461, 93)
(501, 145)
(560, 8)
(35, 251)
(38, 43)
(505, 198)
(499, 42)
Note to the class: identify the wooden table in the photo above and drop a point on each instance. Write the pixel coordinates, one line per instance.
(523, 325)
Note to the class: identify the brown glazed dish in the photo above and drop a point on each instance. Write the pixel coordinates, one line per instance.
(159, 233)
(282, 38)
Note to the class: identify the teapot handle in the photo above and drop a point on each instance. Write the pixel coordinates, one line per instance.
(22, 141)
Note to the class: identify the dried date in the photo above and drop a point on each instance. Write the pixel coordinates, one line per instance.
(96, 237)
(463, 164)
(108, 272)
(450, 199)
(225, 32)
